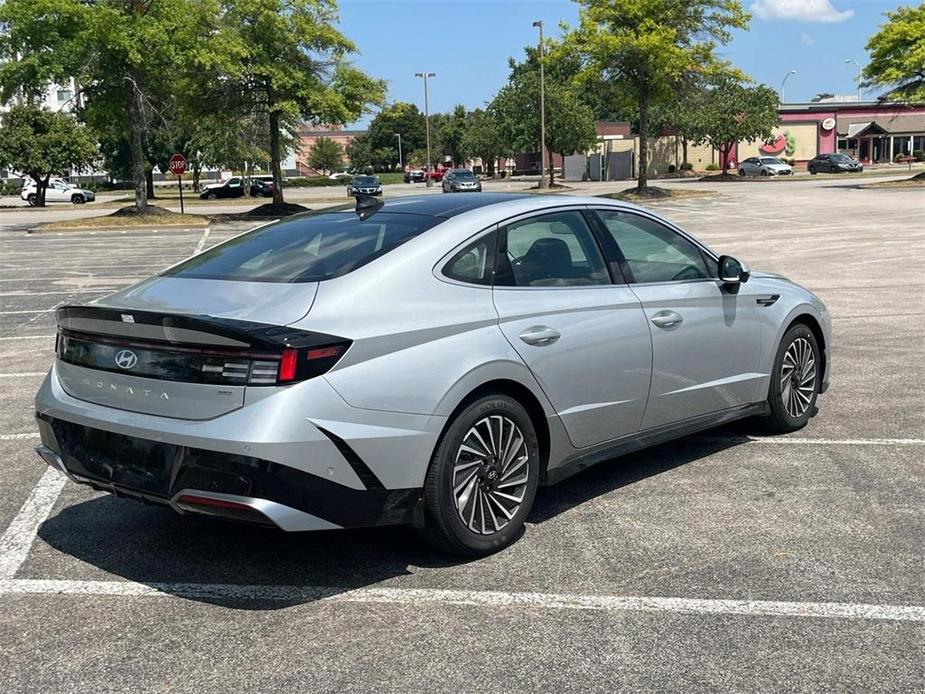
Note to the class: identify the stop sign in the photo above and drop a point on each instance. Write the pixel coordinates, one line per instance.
(177, 164)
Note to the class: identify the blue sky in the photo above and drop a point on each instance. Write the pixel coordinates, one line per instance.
(467, 43)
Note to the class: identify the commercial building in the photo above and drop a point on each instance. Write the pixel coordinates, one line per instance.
(871, 131)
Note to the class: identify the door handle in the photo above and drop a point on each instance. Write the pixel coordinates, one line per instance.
(539, 335)
(667, 320)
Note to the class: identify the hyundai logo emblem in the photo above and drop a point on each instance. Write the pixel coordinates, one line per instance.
(126, 359)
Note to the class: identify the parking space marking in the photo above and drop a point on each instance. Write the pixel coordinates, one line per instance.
(10, 338)
(17, 540)
(472, 598)
(202, 242)
(808, 441)
(19, 437)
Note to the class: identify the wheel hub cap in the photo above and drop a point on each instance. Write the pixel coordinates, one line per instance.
(490, 474)
(798, 377)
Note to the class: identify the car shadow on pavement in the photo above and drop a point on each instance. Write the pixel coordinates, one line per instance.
(154, 546)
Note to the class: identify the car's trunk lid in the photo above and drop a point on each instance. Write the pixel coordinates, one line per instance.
(179, 348)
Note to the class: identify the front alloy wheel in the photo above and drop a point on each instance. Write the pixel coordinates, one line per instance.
(795, 380)
(482, 479)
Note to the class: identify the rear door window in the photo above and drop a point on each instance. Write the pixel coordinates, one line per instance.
(309, 248)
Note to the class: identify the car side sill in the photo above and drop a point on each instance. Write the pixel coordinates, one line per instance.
(650, 437)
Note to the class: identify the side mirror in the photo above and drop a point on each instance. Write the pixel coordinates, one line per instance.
(732, 271)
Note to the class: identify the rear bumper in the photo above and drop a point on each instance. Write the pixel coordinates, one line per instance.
(195, 480)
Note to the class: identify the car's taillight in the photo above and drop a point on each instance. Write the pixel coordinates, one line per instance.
(296, 364)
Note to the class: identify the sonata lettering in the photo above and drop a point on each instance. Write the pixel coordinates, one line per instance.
(127, 390)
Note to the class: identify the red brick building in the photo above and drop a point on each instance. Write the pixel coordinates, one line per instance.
(308, 134)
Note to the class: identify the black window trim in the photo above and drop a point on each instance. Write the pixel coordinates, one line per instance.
(621, 260)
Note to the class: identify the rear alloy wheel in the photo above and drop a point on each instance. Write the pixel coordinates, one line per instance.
(211, 196)
(812, 170)
(31, 199)
(482, 479)
(764, 172)
(741, 172)
(795, 381)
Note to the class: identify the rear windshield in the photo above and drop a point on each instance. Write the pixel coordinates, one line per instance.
(309, 248)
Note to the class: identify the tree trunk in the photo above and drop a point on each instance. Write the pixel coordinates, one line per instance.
(197, 169)
(136, 130)
(642, 181)
(149, 183)
(41, 186)
(552, 177)
(275, 156)
(684, 150)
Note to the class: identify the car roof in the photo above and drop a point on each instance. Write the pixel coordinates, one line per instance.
(447, 205)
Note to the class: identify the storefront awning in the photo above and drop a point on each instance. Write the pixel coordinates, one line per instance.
(861, 129)
(904, 124)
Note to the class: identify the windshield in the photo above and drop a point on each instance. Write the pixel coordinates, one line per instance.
(771, 160)
(309, 248)
(364, 181)
(841, 159)
(464, 176)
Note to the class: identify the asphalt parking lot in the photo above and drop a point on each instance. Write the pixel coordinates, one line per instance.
(723, 561)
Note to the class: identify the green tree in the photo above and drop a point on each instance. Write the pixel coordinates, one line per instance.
(482, 140)
(569, 119)
(645, 48)
(124, 54)
(292, 64)
(452, 131)
(325, 155)
(729, 111)
(40, 143)
(897, 55)
(402, 118)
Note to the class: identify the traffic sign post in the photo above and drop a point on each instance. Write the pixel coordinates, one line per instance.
(177, 165)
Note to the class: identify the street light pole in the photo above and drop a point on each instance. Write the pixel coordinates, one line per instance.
(860, 72)
(784, 82)
(425, 75)
(539, 24)
(401, 163)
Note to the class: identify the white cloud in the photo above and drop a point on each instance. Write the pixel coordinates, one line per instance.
(807, 39)
(800, 10)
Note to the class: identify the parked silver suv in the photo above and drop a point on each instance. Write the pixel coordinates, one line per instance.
(429, 360)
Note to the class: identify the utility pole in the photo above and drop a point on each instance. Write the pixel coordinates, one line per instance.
(860, 74)
(539, 24)
(401, 164)
(425, 75)
(784, 82)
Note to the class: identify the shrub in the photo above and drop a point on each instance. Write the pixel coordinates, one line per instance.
(918, 155)
(712, 167)
(318, 182)
(11, 187)
(899, 158)
(687, 166)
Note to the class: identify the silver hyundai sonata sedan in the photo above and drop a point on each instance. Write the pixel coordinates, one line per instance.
(427, 360)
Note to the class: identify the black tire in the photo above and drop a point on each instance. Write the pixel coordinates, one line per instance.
(211, 196)
(812, 170)
(742, 172)
(31, 199)
(780, 420)
(444, 527)
(77, 200)
(764, 172)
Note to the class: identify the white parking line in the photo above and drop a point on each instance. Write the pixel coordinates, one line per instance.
(17, 540)
(11, 338)
(24, 373)
(472, 598)
(202, 242)
(19, 437)
(809, 442)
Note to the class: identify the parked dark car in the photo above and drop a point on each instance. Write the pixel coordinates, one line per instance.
(833, 163)
(415, 176)
(365, 185)
(461, 181)
(261, 187)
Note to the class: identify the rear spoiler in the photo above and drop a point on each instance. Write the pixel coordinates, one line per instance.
(186, 330)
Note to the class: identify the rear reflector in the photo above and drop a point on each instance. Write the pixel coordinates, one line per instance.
(190, 500)
(325, 352)
(231, 510)
(287, 365)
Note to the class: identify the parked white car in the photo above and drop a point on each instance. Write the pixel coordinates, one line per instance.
(764, 166)
(58, 190)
